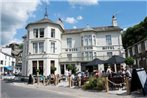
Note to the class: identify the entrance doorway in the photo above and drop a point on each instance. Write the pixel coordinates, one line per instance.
(34, 69)
(41, 67)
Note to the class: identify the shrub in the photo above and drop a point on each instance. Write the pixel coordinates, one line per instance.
(94, 84)
(53, 69)
(129, 61)
(69, 67)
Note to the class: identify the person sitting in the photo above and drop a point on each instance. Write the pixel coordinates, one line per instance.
(121, 72)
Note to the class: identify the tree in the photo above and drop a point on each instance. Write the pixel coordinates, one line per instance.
(134, 34)
(53, 69)
(129, 61)
(69, 67)
(21, 46)
(72, 68)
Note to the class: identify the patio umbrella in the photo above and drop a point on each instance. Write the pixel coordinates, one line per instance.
(115, 59)
(94, 62)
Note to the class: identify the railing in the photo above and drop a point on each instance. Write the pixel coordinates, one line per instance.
(81, 59)
(98, 48)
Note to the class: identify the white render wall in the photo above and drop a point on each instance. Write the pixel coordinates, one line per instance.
(100, 42)
(60, 55)
(46, 56)
(7, 61)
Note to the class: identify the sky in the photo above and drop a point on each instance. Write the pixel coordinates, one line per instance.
(16, 14)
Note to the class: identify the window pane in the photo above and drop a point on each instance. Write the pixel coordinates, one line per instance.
(82, 41)
(109, 54)
(53, 33)
(41, 47)
(94, 38)
(52, 47)
(69, 42)
(35, 32)
(108, 40)
(90, 39)
(35, 48)
(69, 57)
(41, 32)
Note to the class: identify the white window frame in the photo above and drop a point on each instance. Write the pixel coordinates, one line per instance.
(69, 42)
(53, 33)
(41, 47)
(108, 40)
(52, 47)
(40, 35)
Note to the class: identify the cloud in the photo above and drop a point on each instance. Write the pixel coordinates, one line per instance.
(14, 15)
(74, 27)
(79, 18)
(83, 2)
(71, 20)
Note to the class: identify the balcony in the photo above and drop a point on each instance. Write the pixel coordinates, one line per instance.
(88, 48)
(81, 59)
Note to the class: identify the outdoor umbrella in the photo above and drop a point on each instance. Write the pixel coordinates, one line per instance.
(115, 59)
(94, 62)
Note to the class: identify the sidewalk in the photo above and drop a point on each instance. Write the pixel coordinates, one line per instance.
(77, 92)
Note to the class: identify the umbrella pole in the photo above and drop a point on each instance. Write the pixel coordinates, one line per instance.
(115, 68)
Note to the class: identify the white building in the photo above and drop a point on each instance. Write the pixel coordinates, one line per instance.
(7, 61)
(48, 44)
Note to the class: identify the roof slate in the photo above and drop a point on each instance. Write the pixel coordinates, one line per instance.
(96, 29)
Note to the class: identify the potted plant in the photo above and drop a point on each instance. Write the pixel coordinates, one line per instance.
(129, 61)
(53, 69)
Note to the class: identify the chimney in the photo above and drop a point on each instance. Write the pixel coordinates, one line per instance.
(114, 21)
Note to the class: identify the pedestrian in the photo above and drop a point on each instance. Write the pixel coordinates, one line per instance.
(109, 71)
(127, 72)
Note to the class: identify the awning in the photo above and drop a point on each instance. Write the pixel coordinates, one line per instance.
(8, 67)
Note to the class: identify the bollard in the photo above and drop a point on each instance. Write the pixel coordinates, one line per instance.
(107, 84)
(79, 82)
(38, 79)
(127, 85)
(43, 80)
(69, 81)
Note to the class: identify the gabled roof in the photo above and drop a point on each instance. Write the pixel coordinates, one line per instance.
(44, 20)
(95, 29)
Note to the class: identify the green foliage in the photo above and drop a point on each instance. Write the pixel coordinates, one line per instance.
(129, 61)
(69, 67)
(72, 68)
(134, 34)
(94, 84)
(20, 46)
(53, 69)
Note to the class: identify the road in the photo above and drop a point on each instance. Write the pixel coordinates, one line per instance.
(11, 91)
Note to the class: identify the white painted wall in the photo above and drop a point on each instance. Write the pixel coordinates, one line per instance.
(7, 60)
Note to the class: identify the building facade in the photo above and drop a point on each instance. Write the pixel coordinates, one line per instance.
(48, 44)
(7, 61)
(139, 52)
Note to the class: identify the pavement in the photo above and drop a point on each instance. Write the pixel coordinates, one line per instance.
(63, 89)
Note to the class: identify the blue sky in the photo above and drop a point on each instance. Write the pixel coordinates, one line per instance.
(77, 14)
